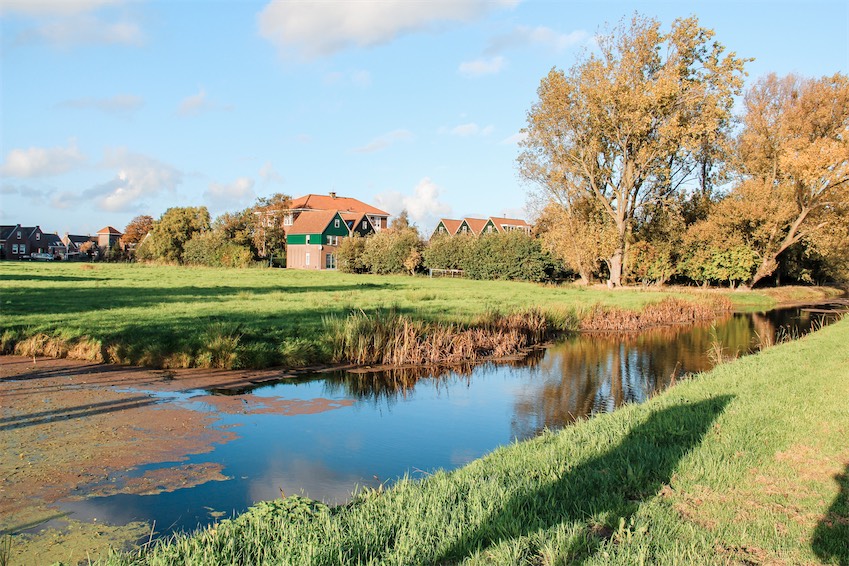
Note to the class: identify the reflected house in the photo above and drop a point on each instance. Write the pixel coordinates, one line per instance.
(478, 226)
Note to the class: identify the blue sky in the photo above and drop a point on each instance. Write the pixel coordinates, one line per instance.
(110, 109)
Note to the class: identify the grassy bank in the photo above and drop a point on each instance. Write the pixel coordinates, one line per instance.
(163, 316)
(745, 464)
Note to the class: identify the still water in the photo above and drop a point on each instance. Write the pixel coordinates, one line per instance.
(361, 430)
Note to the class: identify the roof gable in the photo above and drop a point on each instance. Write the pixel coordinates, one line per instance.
(313, 222)
(451, 226)
(110, 230)
(475, 225)
(327, 202)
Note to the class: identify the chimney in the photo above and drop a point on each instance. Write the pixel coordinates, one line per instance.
(332, 194)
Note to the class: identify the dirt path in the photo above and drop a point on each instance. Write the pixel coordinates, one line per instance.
(72, 429)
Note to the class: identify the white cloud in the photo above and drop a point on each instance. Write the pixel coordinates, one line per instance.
(120, 103)
(270, 175)
(52, 7)
(515, 139)
(33, 195)
(198, 103)
(480, 67)
(42, 162)
(384, 141)
(221, 196)
(138, 178)
(423, 205)
(522, 36)
(315, 29)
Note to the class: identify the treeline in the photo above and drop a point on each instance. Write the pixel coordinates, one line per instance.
(644, 174)
(186, 235)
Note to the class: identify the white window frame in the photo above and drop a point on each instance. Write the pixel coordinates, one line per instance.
(308, 238)
(14, 248)
(22, 249)
(288, 219)
(38, 235)
(336, 223)
(307, 258)
(19, 235)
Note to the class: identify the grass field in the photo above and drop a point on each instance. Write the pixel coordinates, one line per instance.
(747, 464)
(181, 317)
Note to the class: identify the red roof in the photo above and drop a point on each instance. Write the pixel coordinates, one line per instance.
(110, 230)
(476, 224)
(451, 225)
(499, 222)
(312, 222)
(328, 202)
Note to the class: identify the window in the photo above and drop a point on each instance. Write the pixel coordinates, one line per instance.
(19, 234)
(465, 230)
(38, 235)
(365, 224)
(336, 223)
(330, 261)
(307, 258)
(288, 219)
(332, 240)
(308, 238)
(22, 249)
(14, 248)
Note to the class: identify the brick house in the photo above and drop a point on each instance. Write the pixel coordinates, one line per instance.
(19, 242)
(74, 242)
(108, 237)
(312, 239)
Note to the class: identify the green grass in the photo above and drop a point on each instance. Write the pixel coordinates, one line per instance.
(181, 316)
(744, 464)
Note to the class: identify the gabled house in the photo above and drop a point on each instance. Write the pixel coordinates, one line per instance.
(108, 237)
(55, 246)
(495, 224)
(312, 239)
(478, 226)
(379, 219)
(74, 242)
(446, 227)
(19, 242)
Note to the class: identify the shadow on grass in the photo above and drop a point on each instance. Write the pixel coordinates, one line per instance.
(612, 485)
(831, 537)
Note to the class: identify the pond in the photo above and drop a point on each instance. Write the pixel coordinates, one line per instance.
(344, 431)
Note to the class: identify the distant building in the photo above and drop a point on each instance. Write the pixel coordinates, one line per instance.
(379, 219)
(478, 226)
(108, 237)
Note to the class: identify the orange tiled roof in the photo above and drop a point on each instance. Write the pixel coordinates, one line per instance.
(476, 224)
(342, 204)
(110, 230)
(451, 225)
(312, 222)
(510, 221)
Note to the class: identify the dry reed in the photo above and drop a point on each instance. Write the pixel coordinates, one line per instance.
(668, 311)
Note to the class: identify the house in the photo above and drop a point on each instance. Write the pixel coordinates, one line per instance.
(312, 239)
(19, 242)
(74, 242)
(55, 246)
(478, 226)
(108, 237)
(379, 219)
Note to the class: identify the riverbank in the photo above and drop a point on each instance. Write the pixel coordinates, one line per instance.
(746, 463)
(179, 317)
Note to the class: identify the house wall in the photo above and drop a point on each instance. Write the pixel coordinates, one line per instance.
(296, 256)
(23, 242)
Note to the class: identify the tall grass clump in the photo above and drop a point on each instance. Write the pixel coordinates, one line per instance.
(220, 345)
(668, 311)
(386, 337)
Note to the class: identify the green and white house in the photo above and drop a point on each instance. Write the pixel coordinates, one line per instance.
(313, 238)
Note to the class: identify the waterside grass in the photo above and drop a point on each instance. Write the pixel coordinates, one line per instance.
(747, 463)
(173, 317)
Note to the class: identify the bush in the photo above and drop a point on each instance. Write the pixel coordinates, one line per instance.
(448, 252)
(393, 251)
(512, 255)
(213, 249)
(350, 254)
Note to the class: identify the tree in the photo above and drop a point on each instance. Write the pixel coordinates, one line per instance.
(174, 228)
(794, 159)
(137, 229)
(578, 233)
(268, 214)
(624, 128)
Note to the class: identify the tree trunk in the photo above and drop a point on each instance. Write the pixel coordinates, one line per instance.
(616, 269)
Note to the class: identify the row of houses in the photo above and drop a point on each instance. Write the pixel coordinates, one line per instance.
(31, 242)
(314, 226)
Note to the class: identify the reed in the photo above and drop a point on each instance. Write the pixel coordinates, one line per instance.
(386, 337)
(668, 311)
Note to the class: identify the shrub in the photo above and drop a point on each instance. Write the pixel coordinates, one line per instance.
(511, 255)
(448, 252)
(393, 251)
(350, 254)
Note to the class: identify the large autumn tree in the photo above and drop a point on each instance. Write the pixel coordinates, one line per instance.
(628, 125)
(794, 160)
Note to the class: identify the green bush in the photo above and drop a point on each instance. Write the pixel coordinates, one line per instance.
(512, 255)
(448, 252)
(214, 249)
(350, 254)
(393, 251)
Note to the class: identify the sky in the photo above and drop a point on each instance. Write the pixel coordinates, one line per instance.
(110, 109)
